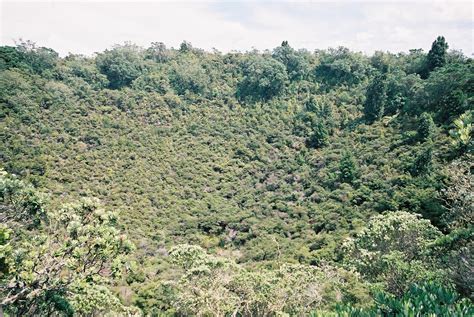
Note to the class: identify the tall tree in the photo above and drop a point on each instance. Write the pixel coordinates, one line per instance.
(423, 161)
(426, 126)
(296, 65)
(264, 78)
(376, 98)
(121, 65)
(437, 55)
(348, 168)
(319, 136)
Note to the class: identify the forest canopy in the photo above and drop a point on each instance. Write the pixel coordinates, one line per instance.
(176, 181)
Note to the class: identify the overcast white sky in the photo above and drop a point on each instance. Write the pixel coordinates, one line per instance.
(92, 26)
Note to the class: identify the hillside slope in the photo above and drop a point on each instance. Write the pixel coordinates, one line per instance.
(261, 158)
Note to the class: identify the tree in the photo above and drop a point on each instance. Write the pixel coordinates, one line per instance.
(390, 249)
(85, 68)
(376, 98)
(38, 59)
(185, 47)
(319, 135)
(455, 250)
(348, 168)
(51, 259)
(341, 67)
(423, 162)
(158, 52)
(296, 65)
(437, 54)
(264, 79)
(154, 81)
(427, 298)
(447, 93)
(188, 75)
(11, 57)
(426, 127)
(458, 195)
(121, 65)
(217, 286)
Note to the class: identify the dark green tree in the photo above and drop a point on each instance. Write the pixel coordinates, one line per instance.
(10, 57)
(437, 54)
(121, 65)
(376, 98)
(296, 65)
(423, 162)
(27, 55)
(264, 78)
(185, 47)
(311, 104)
(447, 93)
(341, 67)
(319, 136)
(348, 168)
(426, 126)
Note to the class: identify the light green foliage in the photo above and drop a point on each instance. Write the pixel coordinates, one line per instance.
(93, 299)
(462, 131)
(79, 67)
(425, 299)
(215, 286)
(395, 231)
(20, 204)
(152, 82)
(455, 250)
(459, 194)
(188, 75)
(158, 52)
(454, 253)
(241, 154)
(5, 251)
(38, 59)
(44, 263)
(391, 249)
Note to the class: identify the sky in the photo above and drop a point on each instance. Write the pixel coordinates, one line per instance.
(85, 27)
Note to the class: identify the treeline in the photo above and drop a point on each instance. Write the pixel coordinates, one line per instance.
(256, 183)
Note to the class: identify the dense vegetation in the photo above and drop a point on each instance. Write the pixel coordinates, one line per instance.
(184, 182)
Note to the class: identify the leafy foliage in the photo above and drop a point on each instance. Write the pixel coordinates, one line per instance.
(374, 107)
(437, 54)
(42, 268)
(348, 168)
(212, 285)
(426, 127)
(426, 299)
(264, 78)
(391, 250)
(261, 163)
(121, 65)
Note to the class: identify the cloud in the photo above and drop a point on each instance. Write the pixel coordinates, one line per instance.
(89, 26)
